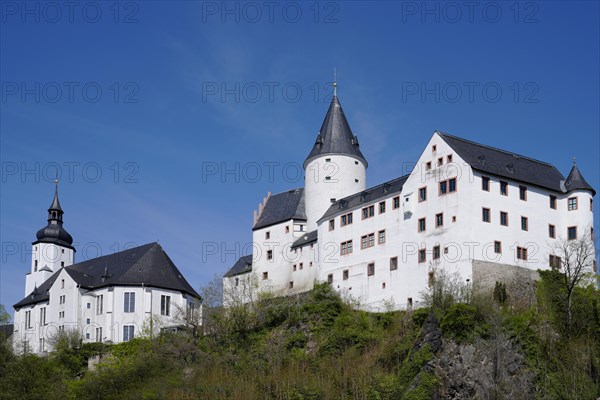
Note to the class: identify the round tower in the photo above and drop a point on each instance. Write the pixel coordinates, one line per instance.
(335, 167)
(579, 196)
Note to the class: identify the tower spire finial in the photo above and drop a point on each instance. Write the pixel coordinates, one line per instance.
(334, 82)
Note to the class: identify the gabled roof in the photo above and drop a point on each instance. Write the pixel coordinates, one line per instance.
(365, 197)
(576, 181)
(310, 237)
(146, 265)
(505, 164)
(335, 136)
(282, 207)
(242, 266)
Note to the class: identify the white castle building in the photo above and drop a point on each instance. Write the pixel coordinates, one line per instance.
(112, 298)
(463, 203)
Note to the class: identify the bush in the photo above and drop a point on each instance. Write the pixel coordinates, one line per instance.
(460, 322)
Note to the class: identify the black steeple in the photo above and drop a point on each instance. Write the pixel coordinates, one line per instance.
(576, 181)
(54, 232)
(335, 135)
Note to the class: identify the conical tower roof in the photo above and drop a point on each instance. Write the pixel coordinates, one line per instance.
(576, 181)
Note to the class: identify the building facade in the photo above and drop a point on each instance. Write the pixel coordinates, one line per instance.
(112, 298)
(462, 203)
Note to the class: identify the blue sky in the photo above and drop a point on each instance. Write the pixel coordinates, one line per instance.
(137, 104)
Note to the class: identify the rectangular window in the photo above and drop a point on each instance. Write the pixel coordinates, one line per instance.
(555, 262)
(28, 319)
(367, 241)
(382, 207)
(393, 263)
(428, 166)
(346, 247)
(62, 283)
(524, 224)
(88, 321)
(485, 183)
(330, 279)
(368, 212)
(267, 235)
(443, 187)
(572, 233)
(89, 305)
(301, 265)
(434, 148)
(452, 185)
(449, 158)
(269, 254)
(572, 203)
(422, 256)
(165, 305)
(553, 202)
(265, 276)
(436, 252)
(439, 220)
(287, 229)
(485, 215)
(371, 269)
(504, 188)
(552, 231)
(99, 304)
(127, 333)
(331, 224)
(497, 247)
(591, 205)
(346, 219)
(503, 218)
(396, 202)
(523, 193)
(422, 194)
(291, 285)
(381, 237)
(522, 253)
(422, 225)
(345, 274)
(43, 316)
(129, 302)
(440, 161)
(448, 186)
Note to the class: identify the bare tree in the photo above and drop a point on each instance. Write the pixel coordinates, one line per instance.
(575, 260)
(445, 288)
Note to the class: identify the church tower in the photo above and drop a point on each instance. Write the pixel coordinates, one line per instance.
(52, 250)
(335, 167)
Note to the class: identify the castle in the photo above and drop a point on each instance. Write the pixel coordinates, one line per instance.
(111, 299)
(464, 205)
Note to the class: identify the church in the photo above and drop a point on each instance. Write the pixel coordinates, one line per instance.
(471, 209)
(112, 298)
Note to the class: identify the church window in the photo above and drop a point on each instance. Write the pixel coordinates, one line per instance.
(269, 254)
(396, 202)
(129, 302)
(128, 331)
(165, 305)
(553, 202)
(572, 233)
(572, 203)
(35, 264)
(371, 269)
(591, 205)
(393, 263)
(43, 316)
(422, 194)
(62, 283)
(422, 225)
(28, 319)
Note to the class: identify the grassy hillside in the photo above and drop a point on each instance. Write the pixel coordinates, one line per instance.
(317, 347)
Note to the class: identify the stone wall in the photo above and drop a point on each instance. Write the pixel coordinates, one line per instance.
(519, 281)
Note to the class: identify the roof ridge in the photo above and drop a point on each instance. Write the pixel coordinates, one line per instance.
(495, 148)
(150, 245)
(372, 188)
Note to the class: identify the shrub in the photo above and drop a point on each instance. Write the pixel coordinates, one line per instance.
(460, 322)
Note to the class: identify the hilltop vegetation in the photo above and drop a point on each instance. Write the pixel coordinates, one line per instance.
(316, 346)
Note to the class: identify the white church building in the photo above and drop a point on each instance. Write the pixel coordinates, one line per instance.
(112, 298)
(462, 204)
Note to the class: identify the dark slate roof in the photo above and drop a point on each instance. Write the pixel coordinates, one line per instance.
(576, 181)
(505, 164)
(282, 207)
(242, 266)
(335, 136)
(310, 237)
(148, 265)
(365, 197)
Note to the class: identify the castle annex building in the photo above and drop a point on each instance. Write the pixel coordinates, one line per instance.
(108, 299)
(463, 205)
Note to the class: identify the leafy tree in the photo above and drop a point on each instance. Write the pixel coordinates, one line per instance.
(4, 316)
